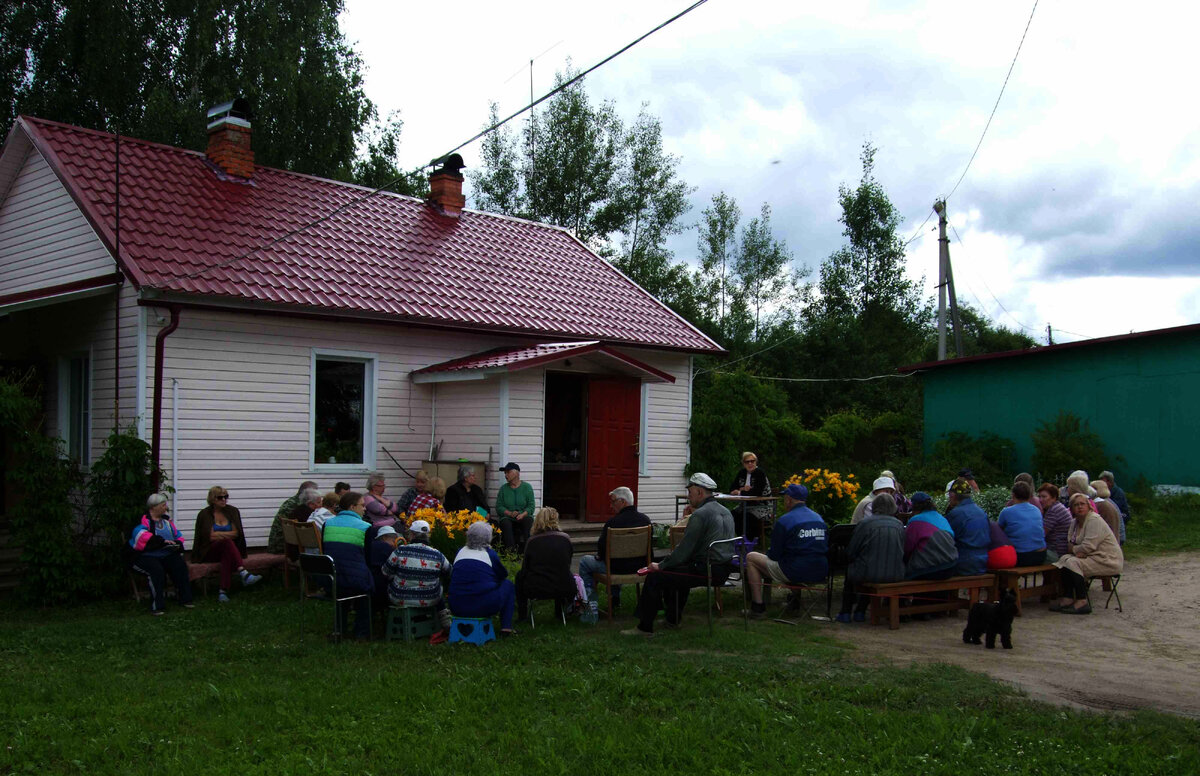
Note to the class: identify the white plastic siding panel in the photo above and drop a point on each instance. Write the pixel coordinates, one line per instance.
(243, 409)
(666, 435)
(44, 240)
(526, 425)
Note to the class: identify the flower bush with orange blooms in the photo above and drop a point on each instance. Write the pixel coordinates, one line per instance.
(830, 494)
(448, 530)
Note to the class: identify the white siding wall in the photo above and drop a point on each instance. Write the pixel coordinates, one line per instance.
(526, 426)
(44, 240)
(468, 424)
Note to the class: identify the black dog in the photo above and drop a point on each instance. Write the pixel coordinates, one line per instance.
(992, 619)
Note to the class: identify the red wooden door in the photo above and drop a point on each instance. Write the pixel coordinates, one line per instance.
(613, 417)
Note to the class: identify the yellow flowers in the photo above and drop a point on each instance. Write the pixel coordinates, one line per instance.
(451, 522)
(829, 493)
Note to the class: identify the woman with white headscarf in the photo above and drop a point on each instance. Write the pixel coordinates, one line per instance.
(479, 584)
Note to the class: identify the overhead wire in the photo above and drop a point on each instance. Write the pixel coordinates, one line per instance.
(989, 289)
(386, 186)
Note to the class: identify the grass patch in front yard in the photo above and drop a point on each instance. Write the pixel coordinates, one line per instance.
(252, 687)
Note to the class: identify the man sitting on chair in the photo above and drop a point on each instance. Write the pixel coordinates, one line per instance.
(625, 515)
(798, 554)
(668, 582)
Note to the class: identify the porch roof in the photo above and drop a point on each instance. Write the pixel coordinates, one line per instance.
(512, 359)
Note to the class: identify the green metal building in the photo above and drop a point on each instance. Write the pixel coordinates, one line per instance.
(1139, 392)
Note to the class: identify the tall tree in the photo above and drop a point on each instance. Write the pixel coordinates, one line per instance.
(762, 271)
(150, 69)
(577, 165)
(717, 246)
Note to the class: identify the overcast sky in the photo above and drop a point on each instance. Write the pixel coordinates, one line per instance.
(1078, 211)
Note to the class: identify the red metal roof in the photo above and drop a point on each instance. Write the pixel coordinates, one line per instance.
(512, 359)
(390, 256)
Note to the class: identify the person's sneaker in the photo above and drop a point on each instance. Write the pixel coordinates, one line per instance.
(222, 597)
(860, 616)
(189, 605)
(1085, 609)
(249, 579)
(157, 612)
(591, 614)
(637, 632)
(509, 633)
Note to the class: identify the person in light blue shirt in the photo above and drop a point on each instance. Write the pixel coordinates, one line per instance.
(1022, 524)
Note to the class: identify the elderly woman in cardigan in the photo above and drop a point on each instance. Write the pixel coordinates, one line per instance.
(1093, 552)
(220, 539)
(381, 510)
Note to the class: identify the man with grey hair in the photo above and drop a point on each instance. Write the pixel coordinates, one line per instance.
(465, 494)
(1116, 495)
(668, 582)
(275, 543)
(625, 515)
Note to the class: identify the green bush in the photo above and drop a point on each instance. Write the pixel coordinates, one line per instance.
(991, 500)
(1065, 444)
(118, 485)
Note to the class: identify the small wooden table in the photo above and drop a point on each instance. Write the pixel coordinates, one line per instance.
(681, 501)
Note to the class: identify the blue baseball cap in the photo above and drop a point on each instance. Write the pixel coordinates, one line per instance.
(798, 492)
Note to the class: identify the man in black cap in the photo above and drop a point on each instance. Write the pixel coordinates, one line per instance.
(514, 508)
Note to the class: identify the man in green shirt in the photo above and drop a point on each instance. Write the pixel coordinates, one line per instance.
(514, 508)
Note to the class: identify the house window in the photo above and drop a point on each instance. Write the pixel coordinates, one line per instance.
(75, 406)
(343, 410)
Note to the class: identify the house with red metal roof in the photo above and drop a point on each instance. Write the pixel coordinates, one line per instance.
(263, 327)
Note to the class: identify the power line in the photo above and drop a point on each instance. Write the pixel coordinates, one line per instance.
(989, 289)
(786, 339)
(917, 233)
(830, 379)
(359, 200)
(997, 105)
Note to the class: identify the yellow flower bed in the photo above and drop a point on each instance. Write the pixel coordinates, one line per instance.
(830, 494)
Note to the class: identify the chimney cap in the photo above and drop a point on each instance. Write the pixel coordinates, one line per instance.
(236, 111)
(452, 163)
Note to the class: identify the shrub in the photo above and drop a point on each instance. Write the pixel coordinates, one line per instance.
(991, 500)
(989, 456)
(1065, 444)
(118, 485)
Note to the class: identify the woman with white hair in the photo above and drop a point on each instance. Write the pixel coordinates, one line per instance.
(158, 551)
(466, 493)
(479, 584)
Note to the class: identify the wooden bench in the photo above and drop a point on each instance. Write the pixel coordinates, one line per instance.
(980, 585)
(1011, 579)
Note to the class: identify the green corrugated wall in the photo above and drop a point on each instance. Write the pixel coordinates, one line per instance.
(1142, 396)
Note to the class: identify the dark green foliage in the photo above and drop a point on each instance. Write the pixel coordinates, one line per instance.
(992, 458)
(117, 490)
(980, 335)
(45, 483)
(151, 69)
(1065, 444)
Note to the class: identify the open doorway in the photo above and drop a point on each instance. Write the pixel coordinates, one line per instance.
(565, 444)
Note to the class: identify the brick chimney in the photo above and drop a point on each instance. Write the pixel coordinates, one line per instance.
(229, 138)
(445, 187)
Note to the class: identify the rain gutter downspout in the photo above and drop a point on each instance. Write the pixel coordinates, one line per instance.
(160, 342)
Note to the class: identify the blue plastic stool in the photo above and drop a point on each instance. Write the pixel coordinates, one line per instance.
(471, 630)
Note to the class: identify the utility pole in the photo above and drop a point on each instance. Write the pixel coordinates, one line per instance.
(946, 282)
(1049, 335)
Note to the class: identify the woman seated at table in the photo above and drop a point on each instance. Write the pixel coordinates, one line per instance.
(381, 510)
(479, 584)
(430, 498)
(219, 539)
(1093, 551)
(751, 481)
(546, 570)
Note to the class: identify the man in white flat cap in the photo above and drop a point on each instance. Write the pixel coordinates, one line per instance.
(668, 582)
(881, 485)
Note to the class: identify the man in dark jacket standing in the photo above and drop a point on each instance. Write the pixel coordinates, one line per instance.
(625, 515)
(668, 582)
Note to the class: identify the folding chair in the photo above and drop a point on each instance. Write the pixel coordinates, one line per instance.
(323, 566)
(622, 543)
(838, 541)
(290, 540)
(1105, 581)
(708, 586)
(560, 609)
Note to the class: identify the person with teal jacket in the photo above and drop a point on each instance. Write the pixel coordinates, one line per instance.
(343, 538)
(515, 506)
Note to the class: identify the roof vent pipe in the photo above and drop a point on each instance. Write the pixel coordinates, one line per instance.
(446, 185)
(229, 138)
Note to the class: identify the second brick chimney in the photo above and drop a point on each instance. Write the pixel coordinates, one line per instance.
(445, 186)
(229, 138)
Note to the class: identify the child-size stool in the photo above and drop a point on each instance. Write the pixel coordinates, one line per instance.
(471, 630)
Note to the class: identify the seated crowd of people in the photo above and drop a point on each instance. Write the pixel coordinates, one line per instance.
(381, 548)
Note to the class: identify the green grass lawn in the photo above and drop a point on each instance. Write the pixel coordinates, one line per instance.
(1163, 524)
(253, 687)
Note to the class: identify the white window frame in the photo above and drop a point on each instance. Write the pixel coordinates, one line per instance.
(64, 406)
(370, 392)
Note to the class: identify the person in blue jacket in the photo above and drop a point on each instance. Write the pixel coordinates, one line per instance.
(343, 538)
(479, 584)
(157, 548)
(798, 552)
(972, 535)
